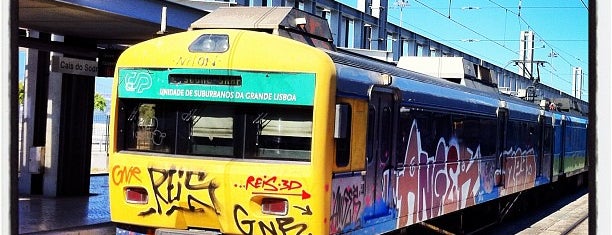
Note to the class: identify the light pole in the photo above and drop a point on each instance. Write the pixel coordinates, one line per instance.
(401, 4)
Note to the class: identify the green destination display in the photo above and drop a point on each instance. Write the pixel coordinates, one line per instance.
(217, 85)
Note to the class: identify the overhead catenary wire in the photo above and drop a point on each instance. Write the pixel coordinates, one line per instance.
(450, 41)
(468, 28)
(585, 6)
(520, 18)
(547, 43)
(561, 79)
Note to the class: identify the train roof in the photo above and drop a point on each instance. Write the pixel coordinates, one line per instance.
(356, 74)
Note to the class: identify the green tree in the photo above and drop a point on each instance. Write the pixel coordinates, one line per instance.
(99, 102)
(21, 92)
(146, 113)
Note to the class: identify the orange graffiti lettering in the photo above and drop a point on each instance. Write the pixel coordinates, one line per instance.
(124, 175)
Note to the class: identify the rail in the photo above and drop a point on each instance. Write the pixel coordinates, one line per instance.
(577, 223)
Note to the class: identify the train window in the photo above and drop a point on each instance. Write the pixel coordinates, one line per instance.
(463, 131)
(343, 145)
(522, 135)
(512, 137)
(467, 130)
(386, 142)
(211, 131)
(547, 140)
(371, 135)
(282, 134)
(431, 128)
(147, 128)
(488, 139)
(223, 130)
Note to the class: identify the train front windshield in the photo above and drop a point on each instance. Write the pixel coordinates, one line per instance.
(227, 130)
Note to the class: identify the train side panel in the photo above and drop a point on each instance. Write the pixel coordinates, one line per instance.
(574, 157)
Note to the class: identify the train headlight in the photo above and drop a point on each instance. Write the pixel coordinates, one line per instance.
(210, 43)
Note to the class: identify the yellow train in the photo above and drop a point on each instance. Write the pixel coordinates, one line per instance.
(273, 131)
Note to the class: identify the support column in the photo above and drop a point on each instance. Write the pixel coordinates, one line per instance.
(59, 116)
(75, 134)
(35, 115)
(25, 179)
(52, 134)
(69, 128)
(379, 10)
(335, 24)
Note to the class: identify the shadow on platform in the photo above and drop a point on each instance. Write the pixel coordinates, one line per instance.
(43, 215)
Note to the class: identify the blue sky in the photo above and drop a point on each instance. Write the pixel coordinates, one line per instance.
(559, 25)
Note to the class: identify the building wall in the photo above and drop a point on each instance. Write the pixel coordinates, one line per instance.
(360, 29)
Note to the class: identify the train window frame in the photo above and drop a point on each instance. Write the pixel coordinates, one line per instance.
(294, 136)
(468, 135)
(370, 134)
(357, 132)
(386, 140)
(432, 125)
(343, 145)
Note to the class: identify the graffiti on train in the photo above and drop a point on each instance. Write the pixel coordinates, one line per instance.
(174, 188)
(446, 181)
(272, 183)
(520, 170)
(280, 225)
(121, 175)
(347, 204)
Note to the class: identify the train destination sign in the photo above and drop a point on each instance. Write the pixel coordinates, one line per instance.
(67, 65)
(217, 85)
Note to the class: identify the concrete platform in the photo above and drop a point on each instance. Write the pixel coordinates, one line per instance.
(42, 215)
(563, 219)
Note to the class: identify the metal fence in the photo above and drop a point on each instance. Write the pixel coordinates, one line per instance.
(99, 138)
(100, 134)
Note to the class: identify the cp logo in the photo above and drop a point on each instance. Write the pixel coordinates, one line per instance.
(138, 82)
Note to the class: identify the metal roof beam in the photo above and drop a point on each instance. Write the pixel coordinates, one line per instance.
(178, 16)
(61, 47)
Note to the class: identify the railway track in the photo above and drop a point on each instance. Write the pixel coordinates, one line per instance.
(578, 227)
(566, 215)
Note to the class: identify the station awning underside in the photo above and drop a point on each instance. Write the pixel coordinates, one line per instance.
(104, 21)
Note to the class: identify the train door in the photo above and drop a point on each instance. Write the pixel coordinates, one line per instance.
(502, 120)
(544, 157)
(380, 153)
(557, 149)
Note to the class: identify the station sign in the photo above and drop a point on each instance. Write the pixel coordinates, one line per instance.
(67, 65)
